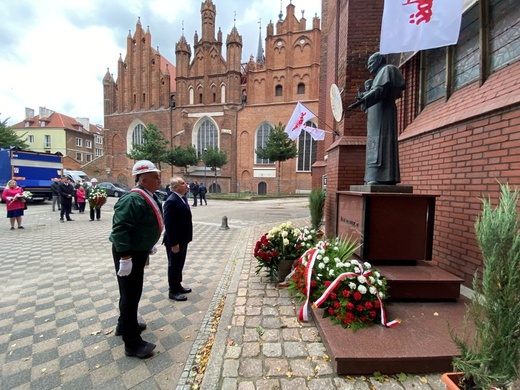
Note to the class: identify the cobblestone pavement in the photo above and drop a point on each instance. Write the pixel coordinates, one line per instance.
(58, 309)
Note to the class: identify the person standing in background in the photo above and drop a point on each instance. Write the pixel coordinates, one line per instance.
(14, 201)
(55, 188)
(194, 189)
(93, 210)
(178, 233)
(202, 194)
(80, 197)
(66, 194)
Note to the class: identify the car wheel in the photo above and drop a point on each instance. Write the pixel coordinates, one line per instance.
(116, 194)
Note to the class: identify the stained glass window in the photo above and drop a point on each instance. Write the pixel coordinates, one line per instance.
(504, 31)
(262, 135)
(467, 51)
(207, 136)
(306, 150)
(137, 134)
(435, 74)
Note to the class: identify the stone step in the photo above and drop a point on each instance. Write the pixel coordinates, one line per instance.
(421, 343)
(422, 281)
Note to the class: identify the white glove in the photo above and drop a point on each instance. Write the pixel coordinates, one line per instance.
(125, 267)
(9, 198)
(154, 250)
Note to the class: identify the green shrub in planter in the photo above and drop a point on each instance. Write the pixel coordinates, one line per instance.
(316, 205)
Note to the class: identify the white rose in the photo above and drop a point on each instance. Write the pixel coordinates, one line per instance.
(357, 270)
(380, 295)
(352, 286)
(284, 234)
(361, 279)
(354, 261)
(371, 279)
(362, 289)
(285, 242)
(326, 260)
(337, 260)
(367, 265)
(373, 290)
(380, 282)
(348, 264)
(336, 248)
(331, 272)
(321, 265)
(319, 257)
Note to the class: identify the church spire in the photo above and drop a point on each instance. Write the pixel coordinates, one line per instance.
(260, 52)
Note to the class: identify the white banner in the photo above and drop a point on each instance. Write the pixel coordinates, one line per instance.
(412, 25)
(297, 123)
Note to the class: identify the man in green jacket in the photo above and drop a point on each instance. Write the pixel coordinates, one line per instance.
(137, 226)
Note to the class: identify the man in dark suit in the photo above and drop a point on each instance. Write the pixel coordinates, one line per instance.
(178, 233)
(66, 194)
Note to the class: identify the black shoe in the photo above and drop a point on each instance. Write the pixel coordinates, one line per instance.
(70, 219)
(71, 212)
(141, 326)
(142, 351)
(12, 227)
(185, 290)
(177, 297)
(21, 227)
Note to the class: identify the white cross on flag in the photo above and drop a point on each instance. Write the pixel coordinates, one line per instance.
(413, 25)
(297, 123)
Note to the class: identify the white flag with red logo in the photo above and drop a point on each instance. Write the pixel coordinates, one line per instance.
(298, 122)
(412, 25)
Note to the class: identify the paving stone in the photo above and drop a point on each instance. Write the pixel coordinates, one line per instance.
(250, 368)
(272, 349)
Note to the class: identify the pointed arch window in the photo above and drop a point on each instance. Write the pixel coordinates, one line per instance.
(301, 89)
(278, 90)
(306, 150)
(191, 94)
(207, 136)
(137, 134)
(223, 93)
(262, 135)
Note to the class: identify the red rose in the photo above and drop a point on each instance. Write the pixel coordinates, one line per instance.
(327, 283)
(377, 305)
(345, 293)
(347, 321)
(337, 305)
(314, 283)
(350, 316)
(360, 308)
(373, 314)
(368, 305)
(331, 311)
(350, 306)
(357, 296)
(333, 296)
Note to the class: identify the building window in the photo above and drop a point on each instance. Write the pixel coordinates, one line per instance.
(89, 157)
(200, 98)
(223, 93)
(301, 89)
(88, 144)
(99, 139)
(137, 135)
(191, 93)
(435, 74)
(306, 150)
(278, 90)
(30, 139)
(47, 141)
(42, 123)
(467, 50)
(99, 152)
(144, 97)
(79, 142)
(262, 136)
(79, 156)
(504, 24)
(207, 137)
(27, 124)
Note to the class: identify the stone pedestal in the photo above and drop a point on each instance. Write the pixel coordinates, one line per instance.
(391, 226)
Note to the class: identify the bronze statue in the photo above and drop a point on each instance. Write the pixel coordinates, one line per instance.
(378, 101)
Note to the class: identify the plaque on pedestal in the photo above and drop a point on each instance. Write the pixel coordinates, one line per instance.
(390, 226)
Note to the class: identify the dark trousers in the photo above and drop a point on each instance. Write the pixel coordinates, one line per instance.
(130, 291)
(65, 210)
(194, 199)
(202, 198)
(81, 207)
(97, 211)
(175, 266)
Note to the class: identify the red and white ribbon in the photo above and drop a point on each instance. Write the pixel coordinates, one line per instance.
(152, 204)
(312, 254)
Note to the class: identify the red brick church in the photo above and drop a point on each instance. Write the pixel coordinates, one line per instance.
(212, 99)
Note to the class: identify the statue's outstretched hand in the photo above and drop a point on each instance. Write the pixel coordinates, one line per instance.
(359, 101)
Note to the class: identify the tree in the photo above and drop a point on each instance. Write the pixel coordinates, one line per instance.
(278, 148)
(153, 147)
(8, 137)
(214, 159)
(181, 157)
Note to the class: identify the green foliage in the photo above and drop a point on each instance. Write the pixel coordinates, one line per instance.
(153, 147)
(8, 137)
(181, 157)
(316, 205)
(278, 148)
(492, 356)
(214, 159)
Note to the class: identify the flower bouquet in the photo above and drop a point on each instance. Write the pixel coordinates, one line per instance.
(23, 196)
(351, 291)
(280, 244)
(97, 197)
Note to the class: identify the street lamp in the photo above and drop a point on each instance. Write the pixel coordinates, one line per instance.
(204, 158)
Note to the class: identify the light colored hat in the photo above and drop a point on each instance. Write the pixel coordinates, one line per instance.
(93, 180)
(144, 166)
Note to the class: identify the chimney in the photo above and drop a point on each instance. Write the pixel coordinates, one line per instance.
(85, 122)
(45, 112)
(29, 113)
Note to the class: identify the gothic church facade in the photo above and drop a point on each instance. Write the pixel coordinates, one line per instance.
(212, 99)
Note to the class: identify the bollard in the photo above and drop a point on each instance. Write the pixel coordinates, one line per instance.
(224, 223)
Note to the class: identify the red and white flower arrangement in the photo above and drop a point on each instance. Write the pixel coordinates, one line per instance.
(97, 197)
(351, 292)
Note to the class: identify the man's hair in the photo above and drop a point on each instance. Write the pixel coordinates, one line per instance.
(174, 181)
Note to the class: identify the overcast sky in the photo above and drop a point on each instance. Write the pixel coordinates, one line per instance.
(54, 53)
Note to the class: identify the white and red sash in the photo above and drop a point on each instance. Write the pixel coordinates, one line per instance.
(153, 205)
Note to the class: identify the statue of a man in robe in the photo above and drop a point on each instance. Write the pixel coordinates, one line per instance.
(378, 101)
